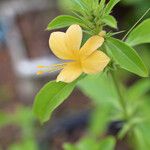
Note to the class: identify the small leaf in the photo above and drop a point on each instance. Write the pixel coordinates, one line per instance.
(99, 119)
(107, 144)
(68, 146)
(110, 21)
(110, 6)
(87, 143)
(81, 6)
(50, 97)
(102, 4)
(64, 21)
(140, 35)
(123, 132)
(96, 2)
(80, 3)
(126, 57)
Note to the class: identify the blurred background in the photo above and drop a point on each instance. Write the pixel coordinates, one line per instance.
(23, 46)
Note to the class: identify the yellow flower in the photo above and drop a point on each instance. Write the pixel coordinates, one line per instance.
(86, 59)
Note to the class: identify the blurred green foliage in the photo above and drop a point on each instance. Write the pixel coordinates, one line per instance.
(25, 145)
(137, 129)
(92, 144)
(24, 119)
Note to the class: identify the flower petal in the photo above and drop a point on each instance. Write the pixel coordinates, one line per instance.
(70, 72)
(95, 63)
(91, 45)
(74, 37)
(58, 46)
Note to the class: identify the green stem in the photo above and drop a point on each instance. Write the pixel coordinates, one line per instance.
(120, 96)
(135, 24)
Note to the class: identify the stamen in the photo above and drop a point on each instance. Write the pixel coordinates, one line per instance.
(54, 69)
(40, 67)
(40, 72)
(50, 69)
(55, 65)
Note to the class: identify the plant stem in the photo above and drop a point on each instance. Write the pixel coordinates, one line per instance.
(135, 24)
(120, 96)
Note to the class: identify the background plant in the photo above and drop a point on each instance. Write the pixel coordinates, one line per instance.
(105, 88)
(24, 120)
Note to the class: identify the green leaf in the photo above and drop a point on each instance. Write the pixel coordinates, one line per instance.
(80, 3)
(139, 89)
(81, 6)
(88, 143)
(126, 57)
(102, 4)
(108, 144)
(96, 2)
(110, 21)
(128, 126)
(64, 21)
(140, 35)
(50, 97)
(28, 144)
(98, 88)
(139, 140)
(99, 119)
(144, 127)
(68, 146)
(110, 6)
